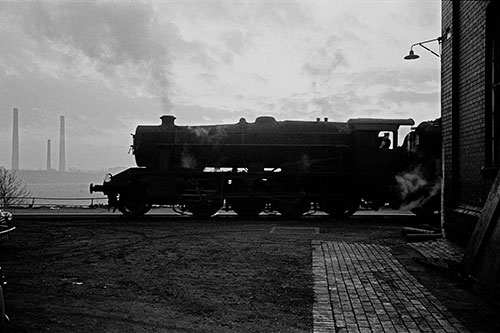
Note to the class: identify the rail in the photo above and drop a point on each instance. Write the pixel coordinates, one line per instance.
(32, 202)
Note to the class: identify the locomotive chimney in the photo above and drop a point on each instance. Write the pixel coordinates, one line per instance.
(167, 121)
(15, 140)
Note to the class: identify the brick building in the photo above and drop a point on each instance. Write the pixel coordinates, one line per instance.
(470, 94)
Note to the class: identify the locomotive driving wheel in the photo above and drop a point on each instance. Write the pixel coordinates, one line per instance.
(203, 208)
(292, 209)
(339, 208)
(131, 203)
(247, 202)
(202, 198)
(247, 207)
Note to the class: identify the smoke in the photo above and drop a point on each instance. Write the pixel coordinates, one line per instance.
(416, 190)
(117, 40)
(206, 135)
(187, 160)
(305, 162)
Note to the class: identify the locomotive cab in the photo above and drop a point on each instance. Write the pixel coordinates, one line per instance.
(376, 163)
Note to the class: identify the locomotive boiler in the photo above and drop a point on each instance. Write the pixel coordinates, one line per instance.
(289, 166)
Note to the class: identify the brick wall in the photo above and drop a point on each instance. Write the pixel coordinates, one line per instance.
(463, 115)
(446, 102)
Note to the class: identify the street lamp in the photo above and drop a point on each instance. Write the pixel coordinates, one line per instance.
(411, 55)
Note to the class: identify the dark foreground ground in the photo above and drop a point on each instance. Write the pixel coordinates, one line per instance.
(178, 274)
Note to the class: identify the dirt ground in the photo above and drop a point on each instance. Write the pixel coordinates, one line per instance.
(179, 274)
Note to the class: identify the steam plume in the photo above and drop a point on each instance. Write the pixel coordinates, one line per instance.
(212, 135)
(187, 160)
(416, 190)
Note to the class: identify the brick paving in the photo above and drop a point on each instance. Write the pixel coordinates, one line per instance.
(363, 288)
(439, 252)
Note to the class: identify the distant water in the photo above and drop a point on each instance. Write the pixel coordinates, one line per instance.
(63, 194)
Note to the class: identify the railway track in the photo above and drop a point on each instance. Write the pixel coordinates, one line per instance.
(81, 214)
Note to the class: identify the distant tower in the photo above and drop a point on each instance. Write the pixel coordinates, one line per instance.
(49, 157)
(15, 141)
(62, 149)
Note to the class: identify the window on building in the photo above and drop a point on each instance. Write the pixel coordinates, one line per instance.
(493, 85)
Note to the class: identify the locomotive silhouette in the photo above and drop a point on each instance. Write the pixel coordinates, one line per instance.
(287, 166)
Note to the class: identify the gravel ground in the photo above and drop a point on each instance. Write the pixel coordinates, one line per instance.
(178, 274)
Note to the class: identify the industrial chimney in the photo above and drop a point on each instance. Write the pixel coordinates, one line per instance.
(49, 157)
(62, 149)
(15, 140)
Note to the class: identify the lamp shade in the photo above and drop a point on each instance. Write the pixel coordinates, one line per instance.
(411, 56)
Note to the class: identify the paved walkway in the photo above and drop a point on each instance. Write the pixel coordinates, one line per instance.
(440, 252)
(363, 288)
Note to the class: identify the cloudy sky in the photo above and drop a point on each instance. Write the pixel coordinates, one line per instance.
(111, 65)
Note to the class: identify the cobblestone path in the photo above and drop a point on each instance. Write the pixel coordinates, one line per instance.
(363, 288)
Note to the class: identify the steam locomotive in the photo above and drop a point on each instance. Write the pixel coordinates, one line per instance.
(287, 166)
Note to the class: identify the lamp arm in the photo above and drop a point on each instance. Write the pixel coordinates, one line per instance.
(428, 49)
(439, 39)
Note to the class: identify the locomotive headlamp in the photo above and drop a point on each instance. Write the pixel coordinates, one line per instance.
(411, 55)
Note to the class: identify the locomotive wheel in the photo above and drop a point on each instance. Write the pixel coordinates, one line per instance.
(247, 207)
(292, 210)
(132, 205)
(203, 209)
(338, 209)
(135, 210)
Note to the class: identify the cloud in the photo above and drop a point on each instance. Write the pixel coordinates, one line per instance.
(406, 79)
(326, 59)
(256, 13)
(110, 65)
(201, 115)
(402, 97)
(114, 39)
(237, 41)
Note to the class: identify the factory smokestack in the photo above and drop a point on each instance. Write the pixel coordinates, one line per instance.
(62, 148)
(49, 157)
(15, 140)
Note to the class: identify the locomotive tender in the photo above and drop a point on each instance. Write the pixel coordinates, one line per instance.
(287, 165)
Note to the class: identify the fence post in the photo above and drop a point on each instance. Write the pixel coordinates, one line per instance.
(32, 202)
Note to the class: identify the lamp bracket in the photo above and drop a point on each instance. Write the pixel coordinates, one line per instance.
(411, 55)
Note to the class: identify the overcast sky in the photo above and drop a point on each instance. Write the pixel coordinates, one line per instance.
(109, 66)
